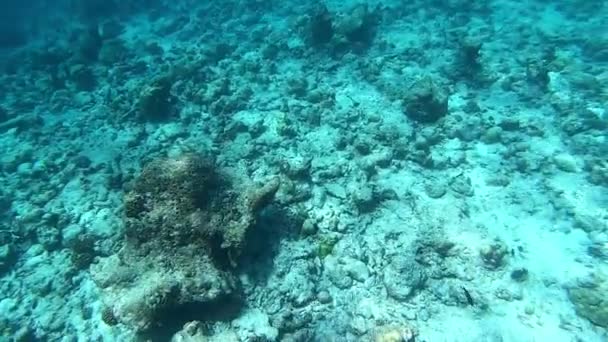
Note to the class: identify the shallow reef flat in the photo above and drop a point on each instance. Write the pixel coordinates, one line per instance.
(252, 170)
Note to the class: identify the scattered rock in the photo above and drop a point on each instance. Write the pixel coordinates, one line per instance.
(468, 63)
(492, 135)
(367, 199)
(493, 256)
(425, 103)
(435, 189)
(89, 44)
(357, 27)
(589, 223)
(519, 275)
(82, 161)
(7, 256)
(82, 251)
(599, 245)
(324, 297)
(337, 274)
(356, 269)
(111, 29)
(590, 301)
(22, 122)
(254, 325)
(469, 130)
(83, 77)
(403, 278)
(321, 26)
(3, 114)
(155, 100)
(351, 30)
(336, 190)
(394, 333)
(462, 186)
(359, 325)
(498, 180)
(509, 124)
(5, 203)
(566, 163)
(309, 227)
(326, 245)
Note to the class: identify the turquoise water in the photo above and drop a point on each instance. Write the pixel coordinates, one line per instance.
(303, 171)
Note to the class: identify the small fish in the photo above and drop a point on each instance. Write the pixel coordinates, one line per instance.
(468, 296)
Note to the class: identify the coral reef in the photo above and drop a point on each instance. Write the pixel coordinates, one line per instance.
(442, 166)
(185, 228)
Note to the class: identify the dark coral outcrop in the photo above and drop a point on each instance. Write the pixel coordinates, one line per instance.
(426, 102)
(186, 226)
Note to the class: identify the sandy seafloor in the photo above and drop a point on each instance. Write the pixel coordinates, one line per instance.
(504, 195)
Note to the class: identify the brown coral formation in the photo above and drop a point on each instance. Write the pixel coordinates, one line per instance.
(185, 225)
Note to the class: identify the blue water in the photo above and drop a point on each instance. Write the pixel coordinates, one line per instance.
(319, 171)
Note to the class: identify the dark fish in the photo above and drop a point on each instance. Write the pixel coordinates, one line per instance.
(468, 296)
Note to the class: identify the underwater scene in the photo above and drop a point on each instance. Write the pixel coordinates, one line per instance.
(294, 171)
